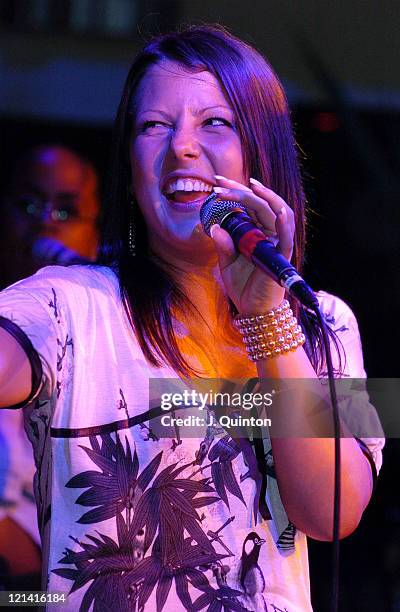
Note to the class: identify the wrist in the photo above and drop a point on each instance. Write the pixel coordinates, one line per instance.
(270, 334)
(262, 306)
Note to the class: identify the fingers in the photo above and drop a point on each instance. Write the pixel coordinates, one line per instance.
(273, 199)
(267, 209)
(221, 190)
(285, 233)
(255, 204)
(285, 225)
(224, 246)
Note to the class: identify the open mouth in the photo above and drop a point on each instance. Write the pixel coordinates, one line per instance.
(186, 197)
(187, 191)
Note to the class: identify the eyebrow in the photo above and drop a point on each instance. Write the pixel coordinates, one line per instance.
(25, 186)
(203, 110)
(207, 108)
(63, 195)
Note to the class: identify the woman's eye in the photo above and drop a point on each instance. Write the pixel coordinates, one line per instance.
(215, 121)
(151, 125)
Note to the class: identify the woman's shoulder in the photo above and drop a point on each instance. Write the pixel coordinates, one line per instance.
(77, 273)
(88, 277)
(337, 313)
(341, 319)
(70, 286)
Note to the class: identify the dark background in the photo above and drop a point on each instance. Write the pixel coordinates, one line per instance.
(339, 63)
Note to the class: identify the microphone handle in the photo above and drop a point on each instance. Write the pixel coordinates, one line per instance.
(251, 242)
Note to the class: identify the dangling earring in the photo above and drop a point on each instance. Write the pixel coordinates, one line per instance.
(131, 234)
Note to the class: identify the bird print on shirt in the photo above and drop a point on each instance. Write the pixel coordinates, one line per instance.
(251, 577)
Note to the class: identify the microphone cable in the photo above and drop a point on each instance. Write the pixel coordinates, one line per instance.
(337, 462)
(249, 241)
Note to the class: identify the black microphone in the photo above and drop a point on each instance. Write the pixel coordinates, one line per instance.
(253, 244)
(50, 251)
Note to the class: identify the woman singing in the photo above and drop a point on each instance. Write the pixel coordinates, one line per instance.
(131, 520)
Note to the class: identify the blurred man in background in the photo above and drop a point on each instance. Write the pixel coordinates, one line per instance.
(52, 199)
(49, 216)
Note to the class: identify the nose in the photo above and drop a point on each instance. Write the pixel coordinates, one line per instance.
(184, 143)
(46, 216)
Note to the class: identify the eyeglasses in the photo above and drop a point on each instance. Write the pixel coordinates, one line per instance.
(39, 210)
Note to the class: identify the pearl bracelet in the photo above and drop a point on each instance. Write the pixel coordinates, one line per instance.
(270, 334)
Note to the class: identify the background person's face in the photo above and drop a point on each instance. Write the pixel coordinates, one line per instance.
(56, 197)
(184, 133)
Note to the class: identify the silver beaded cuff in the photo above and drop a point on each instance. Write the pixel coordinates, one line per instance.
(270, 334)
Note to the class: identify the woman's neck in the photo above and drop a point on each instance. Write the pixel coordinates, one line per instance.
(201, 282)
(205, 334)
(207, 294)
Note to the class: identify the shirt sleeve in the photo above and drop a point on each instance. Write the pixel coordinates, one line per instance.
(31, 310)
(355, 408)
(17, 469)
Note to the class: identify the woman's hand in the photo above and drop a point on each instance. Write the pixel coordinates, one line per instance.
(251, 290)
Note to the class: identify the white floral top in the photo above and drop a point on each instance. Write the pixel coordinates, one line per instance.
(130, 521)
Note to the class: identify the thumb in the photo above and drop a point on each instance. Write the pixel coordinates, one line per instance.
(224, 246)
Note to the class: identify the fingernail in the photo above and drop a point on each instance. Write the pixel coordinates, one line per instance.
(255, 182)
(220, 190)
(212, 229)
(219, 176)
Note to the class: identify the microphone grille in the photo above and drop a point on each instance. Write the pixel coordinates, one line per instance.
(214, 210)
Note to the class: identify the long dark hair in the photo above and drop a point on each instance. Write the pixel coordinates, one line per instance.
(269, 149)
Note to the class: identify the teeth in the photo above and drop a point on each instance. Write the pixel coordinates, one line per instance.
(188, 185)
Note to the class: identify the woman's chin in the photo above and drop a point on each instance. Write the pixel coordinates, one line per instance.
(189, 244)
